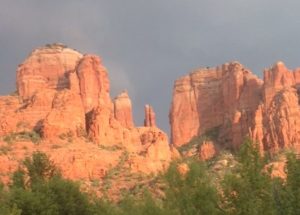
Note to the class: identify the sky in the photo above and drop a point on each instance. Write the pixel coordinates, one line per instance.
(147, 44)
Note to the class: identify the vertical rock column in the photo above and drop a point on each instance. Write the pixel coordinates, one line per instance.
(149, 117)
(123, 110)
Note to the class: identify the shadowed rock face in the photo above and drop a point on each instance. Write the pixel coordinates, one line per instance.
(231, 98)
(65, 96)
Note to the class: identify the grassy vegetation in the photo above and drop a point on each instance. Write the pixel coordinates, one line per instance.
(66, 136)
(4, 150)
(111, 148)
(115, 171)
(32, 136)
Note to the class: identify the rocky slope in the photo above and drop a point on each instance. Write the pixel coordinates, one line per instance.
(63, 108)
(233, 103)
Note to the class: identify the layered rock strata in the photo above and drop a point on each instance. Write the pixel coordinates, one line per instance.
(233, 101)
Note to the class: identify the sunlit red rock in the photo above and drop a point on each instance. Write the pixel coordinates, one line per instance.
(239, 104)
(123, 110)
(277, 78)
(282, 122)
(93, 82)
(64, 96)
(224, 96)
(207, 150)
(150, 120)
(66, 117)
(46, 68)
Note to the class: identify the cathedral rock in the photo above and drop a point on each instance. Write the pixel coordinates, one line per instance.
(231, 100)
(63, 97)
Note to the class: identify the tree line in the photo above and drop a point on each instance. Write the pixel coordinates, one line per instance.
(39, 189)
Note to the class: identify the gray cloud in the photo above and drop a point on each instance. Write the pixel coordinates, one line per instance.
(146, 44)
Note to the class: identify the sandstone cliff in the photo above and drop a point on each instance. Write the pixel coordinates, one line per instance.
(234, 103)
(63, 108)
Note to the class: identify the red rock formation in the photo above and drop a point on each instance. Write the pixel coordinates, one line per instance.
(282, 121)
(46, 68)
(277, 78)
(225, 96)
(240, 104)
(207, 150)
(256, 132)
(104, 129)
(93, 82)
(123, 110)
(39, 77)
(77, 161)
(66, 116)
(14, 112)
(149, 117)
(65, 95)
(154, 149)
(282, 110)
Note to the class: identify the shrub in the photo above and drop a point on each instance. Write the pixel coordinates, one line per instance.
(32, 136)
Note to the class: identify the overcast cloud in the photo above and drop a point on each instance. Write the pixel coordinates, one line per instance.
(147, 44)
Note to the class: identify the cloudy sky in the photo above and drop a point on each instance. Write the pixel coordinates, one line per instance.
(147, 44)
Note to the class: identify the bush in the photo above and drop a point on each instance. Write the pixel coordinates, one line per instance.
(249, 191)
(38, 188)
(191, 194)
(32, 136)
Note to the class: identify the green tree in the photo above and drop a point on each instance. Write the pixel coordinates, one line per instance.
(145, 206)
(292, 189)
(192, 194)
(47, 193)
(39, 167)
(249, 191)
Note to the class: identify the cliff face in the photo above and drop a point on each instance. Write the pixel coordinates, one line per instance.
(65, 97)
(235, 102)
(282, 108)
(210, 98)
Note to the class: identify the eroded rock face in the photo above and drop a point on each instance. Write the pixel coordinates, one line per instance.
(282, 122)
(225, 96)
(93, 82)
(66, 117)
(207, 150)
(18, 116)
(149, 117)
(65, 96)
(46, 68)
(123, 110)
(231, 98)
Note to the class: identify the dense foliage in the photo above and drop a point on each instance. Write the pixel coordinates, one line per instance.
(38, 189)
